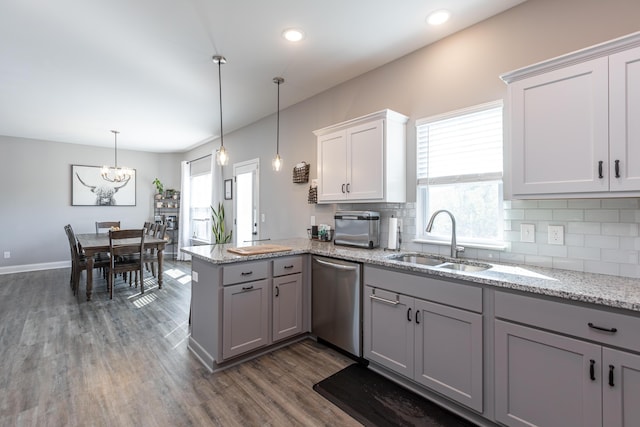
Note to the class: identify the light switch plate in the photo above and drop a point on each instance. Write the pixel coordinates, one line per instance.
(556, 234)
(194, 276)
(528, 233)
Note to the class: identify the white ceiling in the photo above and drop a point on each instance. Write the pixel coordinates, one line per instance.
(71, 70)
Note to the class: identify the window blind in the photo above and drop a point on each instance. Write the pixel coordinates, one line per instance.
(462, 146)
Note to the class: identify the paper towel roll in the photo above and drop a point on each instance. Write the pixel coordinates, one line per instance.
(393, 233)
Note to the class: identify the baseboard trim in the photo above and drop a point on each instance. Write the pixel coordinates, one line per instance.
(34, 267)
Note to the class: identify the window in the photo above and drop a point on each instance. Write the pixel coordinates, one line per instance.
(200, 200)
(459, 168)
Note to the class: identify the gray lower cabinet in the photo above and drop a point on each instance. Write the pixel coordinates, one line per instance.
(245, 317)
(621, 393)
(433, 344)
(389, 330)
(555, 365)
(543, 379)
(287, 306)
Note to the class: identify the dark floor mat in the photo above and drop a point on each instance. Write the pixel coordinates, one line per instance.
(376, 401)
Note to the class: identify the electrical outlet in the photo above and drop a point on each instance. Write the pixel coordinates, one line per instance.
(194, 276)
(313, 220)
(7, 254)
(528, 233)
(262, 217)
(556, 234)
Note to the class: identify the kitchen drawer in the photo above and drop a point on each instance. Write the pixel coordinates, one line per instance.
(467, 297)
(570, 319)
(245, 272)
(287, 265)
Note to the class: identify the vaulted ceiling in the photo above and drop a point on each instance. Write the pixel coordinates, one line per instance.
(73, 70)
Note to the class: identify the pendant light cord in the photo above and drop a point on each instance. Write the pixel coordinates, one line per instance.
(220, 87)
(115, 136)
(278, 123)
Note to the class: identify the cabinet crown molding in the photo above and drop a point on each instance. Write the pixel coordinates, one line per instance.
(382, 114)
(592, 52)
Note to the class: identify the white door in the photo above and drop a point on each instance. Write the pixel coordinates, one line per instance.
(245, 206)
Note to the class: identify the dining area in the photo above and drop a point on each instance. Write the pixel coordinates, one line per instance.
(117, 256)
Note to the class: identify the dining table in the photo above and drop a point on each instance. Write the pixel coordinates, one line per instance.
(91, 244)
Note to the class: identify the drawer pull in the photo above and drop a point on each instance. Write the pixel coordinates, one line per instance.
(409, 314)
(592, 370)
(247, 288)
(246, 273)
(386, 301)
(288, 267)
(600, 328)
(611, 384)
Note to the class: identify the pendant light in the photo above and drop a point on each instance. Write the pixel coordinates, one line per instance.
(116, 174)
(277, 161)
(222, 157)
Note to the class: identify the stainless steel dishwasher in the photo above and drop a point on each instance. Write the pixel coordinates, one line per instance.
(337, 305)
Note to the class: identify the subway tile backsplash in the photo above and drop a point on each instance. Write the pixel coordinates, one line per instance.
(600, 235)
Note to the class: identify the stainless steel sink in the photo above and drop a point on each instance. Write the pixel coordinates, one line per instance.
(465, 267)
(438, 262)
(417, 259)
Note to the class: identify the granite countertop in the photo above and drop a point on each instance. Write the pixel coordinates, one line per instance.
(611, 291)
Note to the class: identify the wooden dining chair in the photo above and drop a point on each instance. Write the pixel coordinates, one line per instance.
(78, 260)
(151, 255)
(102, 226)
(126, 255)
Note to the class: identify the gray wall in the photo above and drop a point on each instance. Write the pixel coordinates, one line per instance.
(36, 197)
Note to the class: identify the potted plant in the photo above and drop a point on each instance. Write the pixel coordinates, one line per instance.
(218, 227)
(159, 188)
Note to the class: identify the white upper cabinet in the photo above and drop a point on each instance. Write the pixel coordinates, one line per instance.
(624, 120)
(570, 128)
(363, 160)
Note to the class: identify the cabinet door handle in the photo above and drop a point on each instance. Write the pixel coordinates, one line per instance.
(246, 273)
(277, 292)
(600, 328)
(409, 314)
(592, 370)
(247, 288)
(343, 187)
(417, 317)
(600, 170)
(348, 189)
(617, 168)
(611, 384)
(386, 301)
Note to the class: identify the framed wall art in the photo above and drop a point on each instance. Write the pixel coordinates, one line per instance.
(228, 189)
(88, 188)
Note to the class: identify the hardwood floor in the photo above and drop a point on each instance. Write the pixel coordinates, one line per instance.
(124, 362)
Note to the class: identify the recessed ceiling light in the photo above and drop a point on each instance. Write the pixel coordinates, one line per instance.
(438, 17)
(293, 34)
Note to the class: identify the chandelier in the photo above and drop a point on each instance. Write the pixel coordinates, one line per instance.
(116, 174)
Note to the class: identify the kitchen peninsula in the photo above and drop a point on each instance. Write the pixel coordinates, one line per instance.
(579, 329)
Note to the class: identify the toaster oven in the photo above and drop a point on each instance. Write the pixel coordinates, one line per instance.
(357, 228)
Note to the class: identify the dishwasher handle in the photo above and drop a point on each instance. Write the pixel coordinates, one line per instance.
(337, 266)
